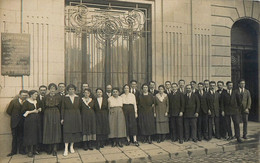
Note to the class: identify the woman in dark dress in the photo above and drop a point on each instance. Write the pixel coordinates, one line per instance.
(71, 119)
(88, 119)
(146, 113)
(51, 120)
(130, 112)
(161, 109)
(102, 123)
(32, 125)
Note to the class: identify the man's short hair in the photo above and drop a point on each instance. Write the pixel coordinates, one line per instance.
(228, 82)
(23, 91)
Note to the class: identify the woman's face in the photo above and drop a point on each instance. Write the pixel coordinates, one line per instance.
(161, 90)
(115, 93)
(145, 88)
(86, 94)
(99, 93)
(34, 96)
(71, 91)
(52, 89)
(126, 89)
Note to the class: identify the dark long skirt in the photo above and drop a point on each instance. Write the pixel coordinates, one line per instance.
(32, 130)
(72, 128)
(131, 124)
(51, 126)
(146, 122)
(102, 123)
(88, 122)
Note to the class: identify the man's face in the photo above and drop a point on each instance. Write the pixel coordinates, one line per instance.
(188, 89)
(206, 83)
(24, 96)
(43, 91)
(230, 86)
(167, 85)
(193, 85)
(62, 88)
(200, 86)
(174, 87)
(242, 84)
(134, 85)
(145, 88)
(182, 84)
(109, 88)
(212, 86)
(85, 86)
(152, 85)
(220, 86)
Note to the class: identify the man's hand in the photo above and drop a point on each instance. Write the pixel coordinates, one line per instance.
(247, 111)
(181, 114)
(166, 114)
(223, 114)
(154, 114)
(196, 114)
(209, 112)
(62, 121)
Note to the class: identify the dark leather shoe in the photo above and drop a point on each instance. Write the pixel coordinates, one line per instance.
(136, 143)
(186, 140)
(199, 139)
(127, 143)
(244, 137)
(114, 144)
(30, 154)
(22, 152)
(239, 140)
(195, 140)
(101, 146)
(54, 153)
(36, 153)
(120, 145)
(181, 141)
(229, 138)
(10, 154)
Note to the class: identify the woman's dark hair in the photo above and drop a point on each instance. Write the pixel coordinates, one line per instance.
(145, 85)
(99, 89)
(43, 86)
(125, 86)
(115, 88)
(31, 92)
(87, 89)
(161, 86)
(52, 85)
(71, 86)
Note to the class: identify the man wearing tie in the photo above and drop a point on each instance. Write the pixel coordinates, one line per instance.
(62, 88)
(206, 86)
(222, 121)
(230, 104)
(14, 110)
(191, 113)
(133, 89)
(193, 86)
(245, 98)
(108, 92)
(152, 89)
(181, 86)
(167, 87)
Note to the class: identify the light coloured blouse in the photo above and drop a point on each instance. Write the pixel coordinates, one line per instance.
(129, 99)
(115, 102)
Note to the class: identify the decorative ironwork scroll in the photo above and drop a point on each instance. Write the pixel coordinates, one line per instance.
(108, 24)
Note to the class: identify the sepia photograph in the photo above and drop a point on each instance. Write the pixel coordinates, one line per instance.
(129, 81)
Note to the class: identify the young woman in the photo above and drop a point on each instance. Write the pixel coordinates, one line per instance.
(116, 118)
(51, 120)
(32, 125)
(88, 120)
(102, 122)
(146, 113)
(161, 111)
(130, 112)
(71, 119)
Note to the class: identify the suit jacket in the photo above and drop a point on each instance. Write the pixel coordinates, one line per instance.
(167, 93)
(104, 105)
(192, 105)
(245, 99)
(230, 103)
(40, 102)
(137, 94)
(15, 111)
(179, 90)
(176, 103)
(204, 108)
(214, 101)
(154, 92)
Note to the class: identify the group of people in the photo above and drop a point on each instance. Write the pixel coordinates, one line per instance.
(181, 112)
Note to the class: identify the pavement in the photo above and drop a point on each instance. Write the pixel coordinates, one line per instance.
(166, 151)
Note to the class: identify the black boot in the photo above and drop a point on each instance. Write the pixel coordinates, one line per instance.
(119, 143)
(114, 143)
(54, 152)
(90, 145)
(98, 145)
(159, 138)
(149, 140)
(85, 146)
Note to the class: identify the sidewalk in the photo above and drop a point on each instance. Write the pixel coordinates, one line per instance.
(145, 152)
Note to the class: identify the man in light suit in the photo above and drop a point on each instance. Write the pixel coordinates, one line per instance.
(245, 98)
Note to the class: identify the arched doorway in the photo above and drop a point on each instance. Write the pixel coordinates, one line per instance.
(244, 59)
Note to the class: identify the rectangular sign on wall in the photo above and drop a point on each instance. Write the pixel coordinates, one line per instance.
(15, 54)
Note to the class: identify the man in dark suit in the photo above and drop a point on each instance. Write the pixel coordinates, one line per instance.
(176, 109)
(213, 100)
(230, 103)
(152, 89)
(206, 86)
(14, 110)
(245, 106)
(191, 113)
(83, 87)
(62, 89)
(181, 86)
(168, 87)
(108, 92)
(193, 86)
(203, 113)
(134, 90)
(222, 121)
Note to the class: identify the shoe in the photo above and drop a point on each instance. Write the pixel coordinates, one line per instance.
(36, 153)
(30, 154)
(127, 143)
(181, 141)
(85, 148)
(54, 153)
(239, 140)
(136, 143)
(65, 153)
(195, 140)
(10, 154)
(113, 144)
(101, 146)
(206, 138)
(97, 147)
(158, 141)
(149, 140)
(186, 140)
(22, 152)
(199, 139)
(229, 138)
(72, 150)
(217, 137)
(244, 137)
(120, 144)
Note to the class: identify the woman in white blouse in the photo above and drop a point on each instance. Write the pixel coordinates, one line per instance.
(130, 112)
(116, 118)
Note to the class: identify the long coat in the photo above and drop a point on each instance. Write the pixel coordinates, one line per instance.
(15, 111)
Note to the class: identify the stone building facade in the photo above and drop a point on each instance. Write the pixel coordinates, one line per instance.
(188, 39)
